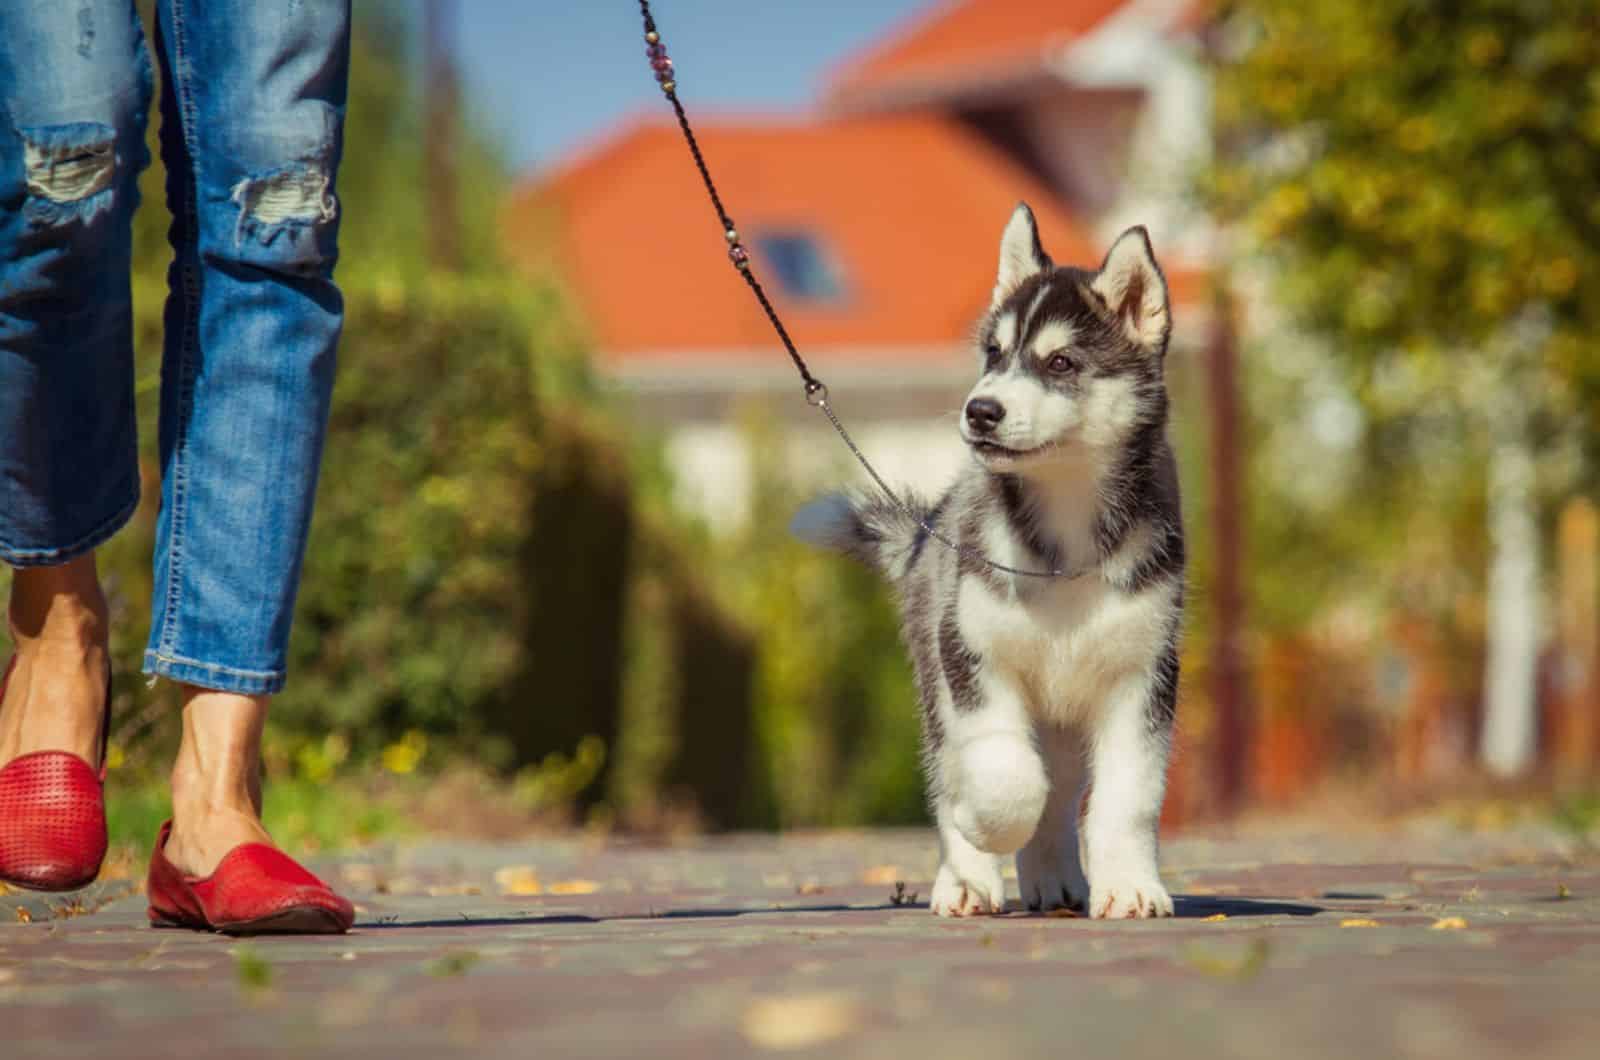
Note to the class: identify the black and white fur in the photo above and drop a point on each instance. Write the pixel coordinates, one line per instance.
(1047, 703)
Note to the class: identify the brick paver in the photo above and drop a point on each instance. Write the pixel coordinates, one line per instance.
(1420, 941)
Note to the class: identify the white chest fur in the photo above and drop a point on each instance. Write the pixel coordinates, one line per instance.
(1068, 644)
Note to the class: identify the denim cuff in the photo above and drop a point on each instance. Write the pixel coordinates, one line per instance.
(55, 557)
(212, 677)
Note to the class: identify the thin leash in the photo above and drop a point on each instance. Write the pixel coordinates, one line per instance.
(816, 393)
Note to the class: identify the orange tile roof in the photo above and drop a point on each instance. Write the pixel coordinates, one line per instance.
(911, 207)
(969, 40)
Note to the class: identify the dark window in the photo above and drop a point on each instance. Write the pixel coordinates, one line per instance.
(802, 265)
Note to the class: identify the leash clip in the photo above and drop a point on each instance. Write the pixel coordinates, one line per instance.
(816, 393)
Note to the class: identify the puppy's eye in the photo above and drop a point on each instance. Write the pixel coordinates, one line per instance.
(1060, 364)
(991, 352)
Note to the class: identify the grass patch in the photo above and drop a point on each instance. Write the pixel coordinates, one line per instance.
(303, 815)
(455, 963)
(253, 972)
(1579, 813)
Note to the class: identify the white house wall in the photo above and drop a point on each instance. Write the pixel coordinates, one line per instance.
(713, 465)
(1135, 47)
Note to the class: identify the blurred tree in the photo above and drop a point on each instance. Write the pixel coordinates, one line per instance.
(1421, 180)
(443, 91)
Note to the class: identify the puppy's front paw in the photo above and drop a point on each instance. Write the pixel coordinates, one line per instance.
(1050, 879)
(979, 892)
(1128, 896)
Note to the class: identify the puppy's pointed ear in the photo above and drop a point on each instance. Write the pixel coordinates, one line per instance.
(1021, 256)
(1134, 290)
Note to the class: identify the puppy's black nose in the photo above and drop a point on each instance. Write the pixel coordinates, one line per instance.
(983, 414)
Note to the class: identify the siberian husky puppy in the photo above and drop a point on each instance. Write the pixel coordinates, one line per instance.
(1047, 702)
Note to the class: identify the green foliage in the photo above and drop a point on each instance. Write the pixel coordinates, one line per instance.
(407, 615)
(766, 682)
(834, 697)
(1419, 172)
(301, 812)
(253, 972)
(456, 962)
(1412, 180)
(1578, 813)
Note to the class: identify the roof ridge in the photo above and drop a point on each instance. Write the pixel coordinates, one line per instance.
(914, 52)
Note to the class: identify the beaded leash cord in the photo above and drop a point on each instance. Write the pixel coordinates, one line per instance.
(816, 394)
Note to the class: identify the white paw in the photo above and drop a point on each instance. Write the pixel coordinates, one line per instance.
(977, 893)
(1002, 791)
(1128, 896)
(1050, 879)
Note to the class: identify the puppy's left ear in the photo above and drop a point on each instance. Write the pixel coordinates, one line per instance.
(1134, 290)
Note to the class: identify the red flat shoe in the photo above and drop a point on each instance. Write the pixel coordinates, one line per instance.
(255, 890)
(53, 815)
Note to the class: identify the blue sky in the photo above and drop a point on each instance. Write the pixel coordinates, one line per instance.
(547, 75)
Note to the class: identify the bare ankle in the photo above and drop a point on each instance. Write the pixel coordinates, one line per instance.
(61, 606)
(55, 699)
(205, 787)
(216, 779)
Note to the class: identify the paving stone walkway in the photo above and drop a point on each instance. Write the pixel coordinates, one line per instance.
(1416, 942)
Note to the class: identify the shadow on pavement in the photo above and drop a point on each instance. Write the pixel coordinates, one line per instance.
(1189, 906)
(1195, 907)
(665, 914)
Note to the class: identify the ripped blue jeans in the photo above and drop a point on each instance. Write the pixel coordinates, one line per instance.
(252, 109)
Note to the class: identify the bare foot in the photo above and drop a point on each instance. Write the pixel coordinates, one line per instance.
(216, 780)
(55, 698)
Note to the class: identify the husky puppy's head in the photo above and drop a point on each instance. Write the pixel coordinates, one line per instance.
(1071, 359)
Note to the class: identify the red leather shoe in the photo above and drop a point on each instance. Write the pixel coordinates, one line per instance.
(53, 815)
(255, 890)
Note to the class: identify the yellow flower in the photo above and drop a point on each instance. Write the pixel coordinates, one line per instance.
(1484, 47)
(405, 755)
(1558, 276)
(1416, 134)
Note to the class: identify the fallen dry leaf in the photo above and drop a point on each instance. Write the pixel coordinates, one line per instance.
(446, 890)
(23, 916)
(574, 887)
(1214, 917)
(880, 875)
(520, 880)
(1449, 923)
(1562, 892)
(1238, 964)
(800, 1021)
(398, 885)
(809, 887)
(1358, 921)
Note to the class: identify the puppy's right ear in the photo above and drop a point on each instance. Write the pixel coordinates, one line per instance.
(1021, 255)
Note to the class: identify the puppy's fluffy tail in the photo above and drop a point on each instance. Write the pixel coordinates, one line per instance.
(871, 529)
